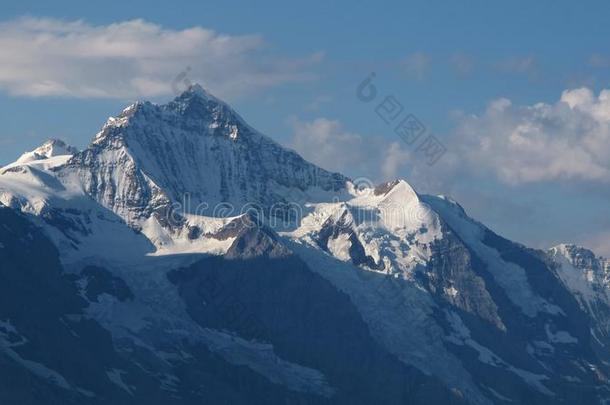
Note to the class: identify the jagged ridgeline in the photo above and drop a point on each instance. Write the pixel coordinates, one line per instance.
(185, 258)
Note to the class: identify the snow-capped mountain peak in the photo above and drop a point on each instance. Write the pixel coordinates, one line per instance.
(198, 145)
(49, 149)
(197, 91)
(398, 186)
(197, 106)
(579, 256)
(581, 269)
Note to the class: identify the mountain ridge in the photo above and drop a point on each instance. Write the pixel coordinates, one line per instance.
(167, 195)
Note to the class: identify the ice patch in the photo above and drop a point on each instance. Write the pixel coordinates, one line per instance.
(498, 395)
(399, 315)
(261, 358)
(462, 337)
(340, 246)
(157, 303)
(116, 376)
(560, 336)
(40, 370)
(451, 291)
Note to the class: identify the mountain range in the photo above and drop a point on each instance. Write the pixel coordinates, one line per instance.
(183, 257)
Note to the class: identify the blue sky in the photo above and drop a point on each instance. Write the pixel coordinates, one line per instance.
(494, 81)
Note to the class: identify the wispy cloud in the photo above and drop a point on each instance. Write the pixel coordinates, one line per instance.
(49, 57)
(599, 243)
(599, 61)
(318, 102)
(462, 63)
(519, 65)
(329, 144)
(416, 65)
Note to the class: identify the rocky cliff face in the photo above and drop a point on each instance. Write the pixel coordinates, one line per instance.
(162, 236)
(588, 278)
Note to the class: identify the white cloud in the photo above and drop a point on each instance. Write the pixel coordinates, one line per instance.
(567, 140)
(328, 144)
(49, 57)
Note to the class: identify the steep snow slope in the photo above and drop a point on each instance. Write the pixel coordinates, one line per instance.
(49, 149)
(588, 278)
